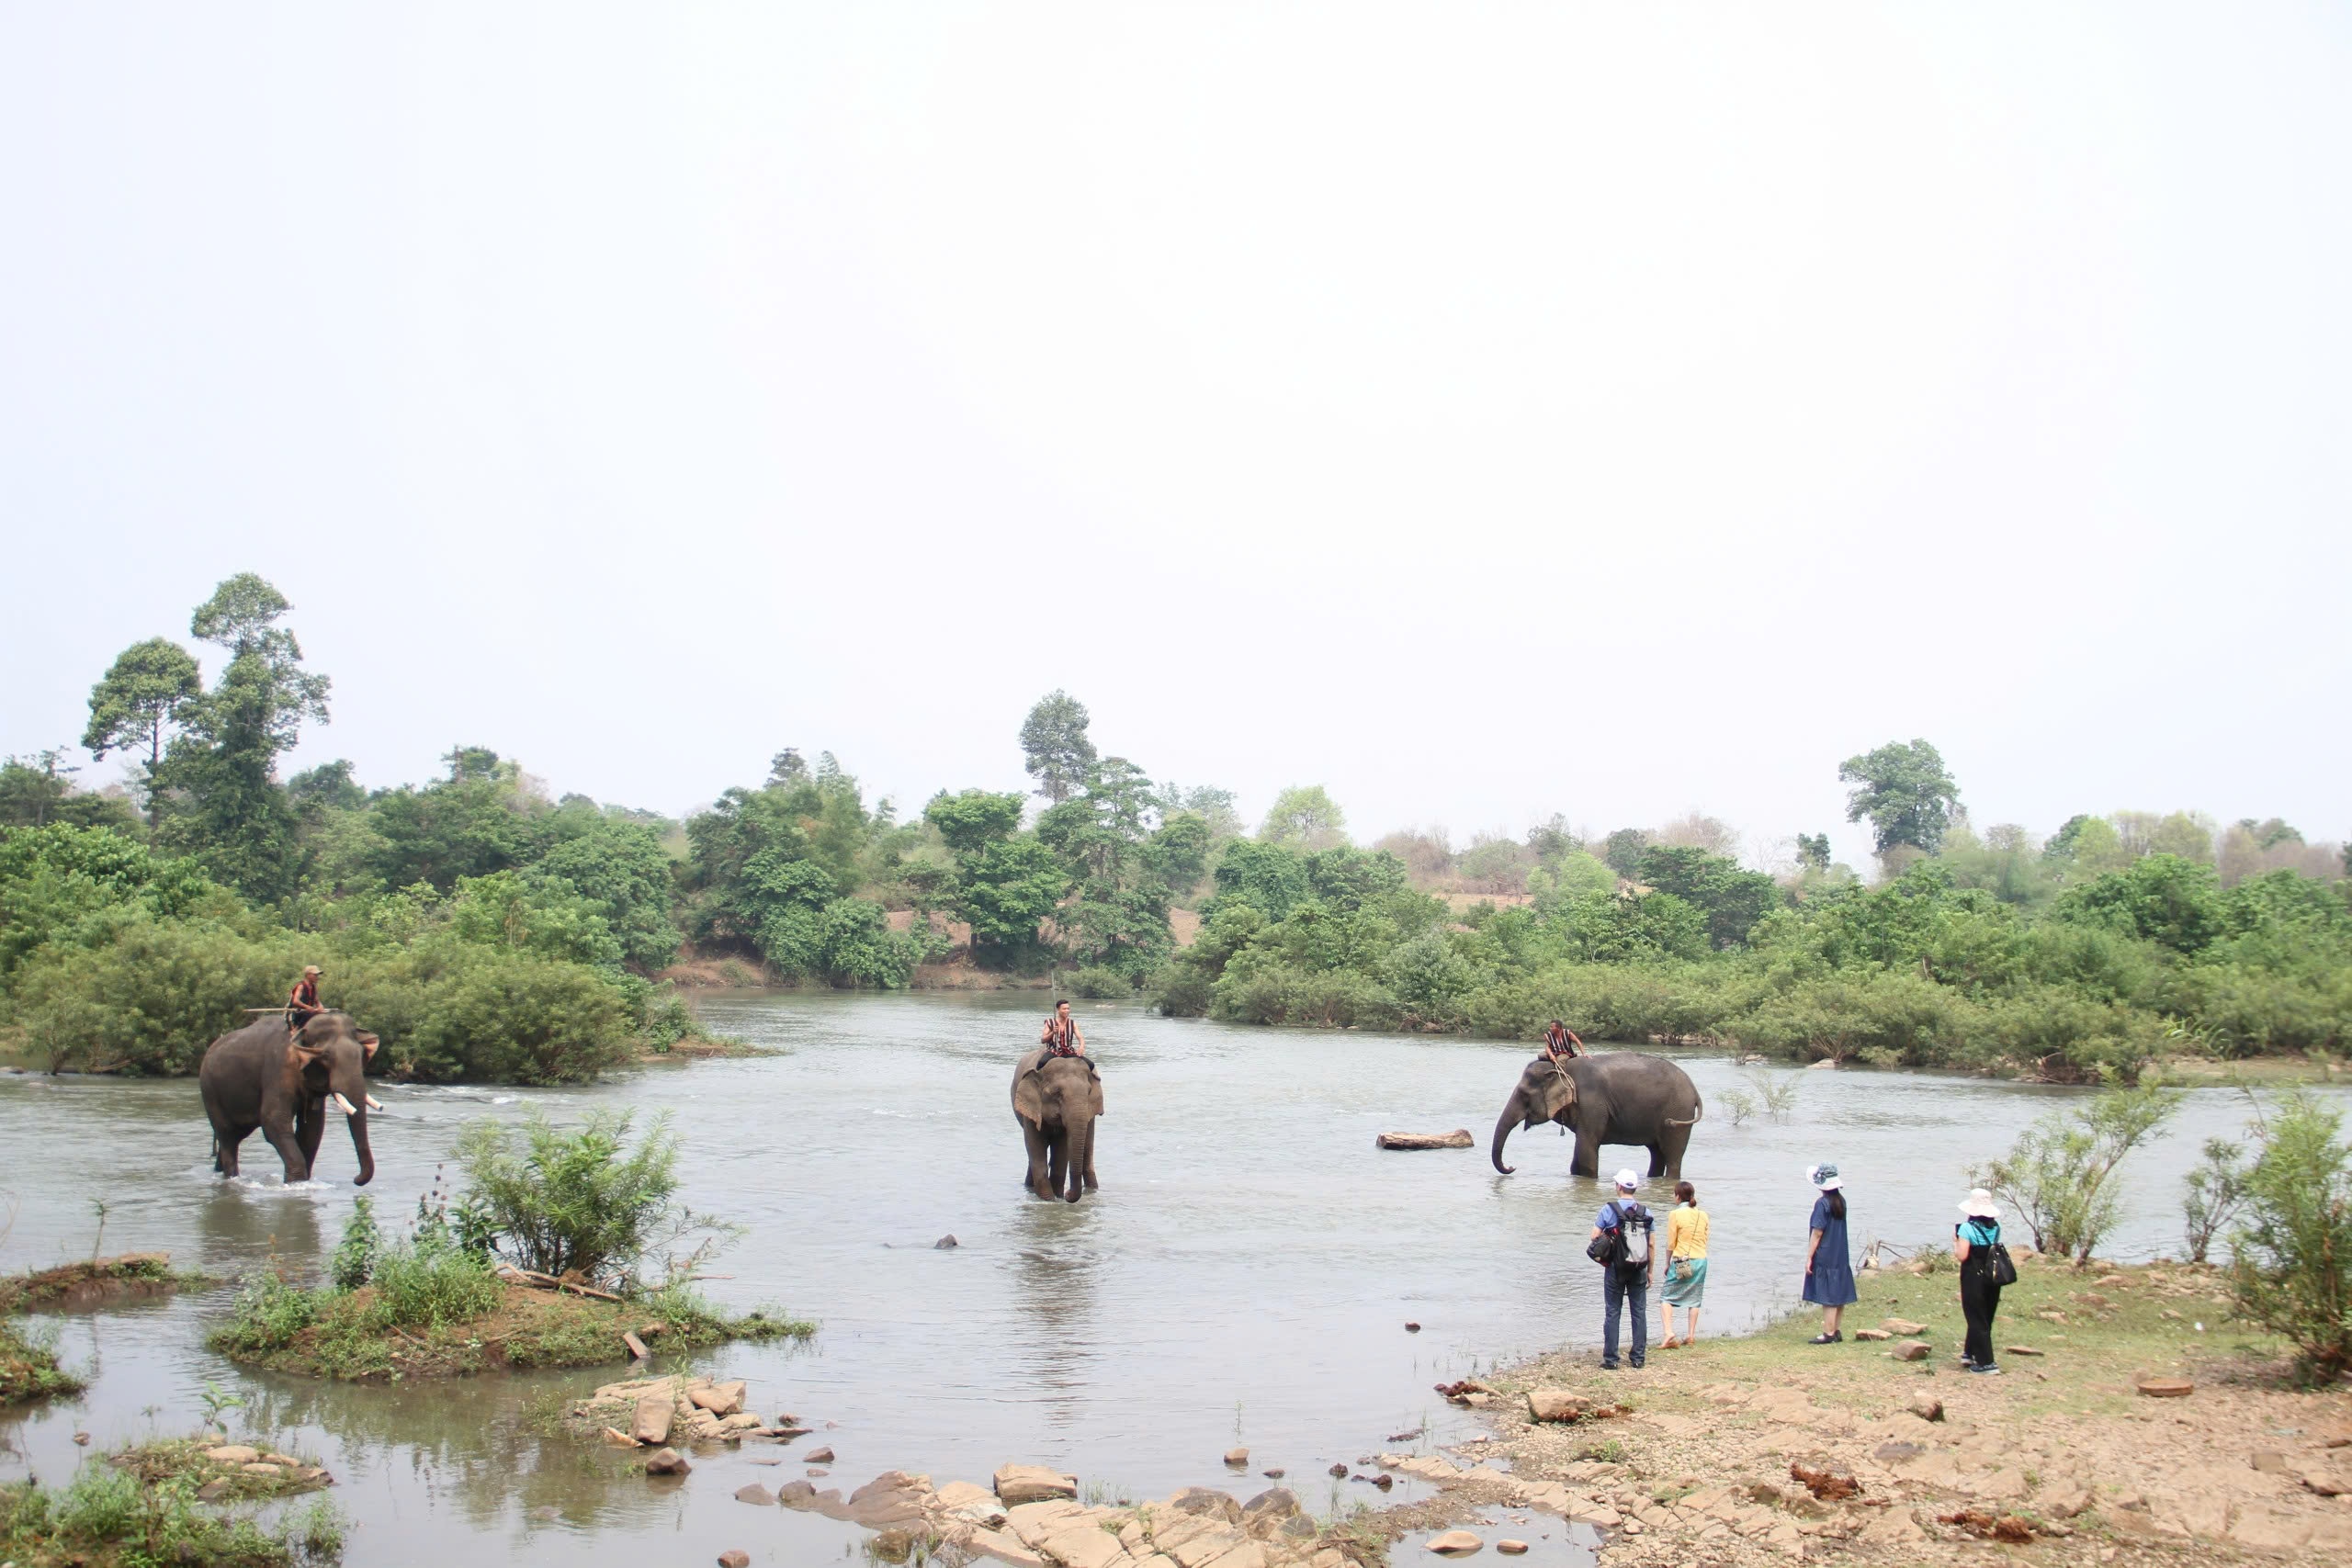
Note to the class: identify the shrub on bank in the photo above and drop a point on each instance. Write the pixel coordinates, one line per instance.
(2292, 1269)
(108, 1514)
(580, 1204)
(1099, 983)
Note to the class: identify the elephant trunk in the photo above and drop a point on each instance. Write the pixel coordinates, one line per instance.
(1514, 1112)
(359, 1146)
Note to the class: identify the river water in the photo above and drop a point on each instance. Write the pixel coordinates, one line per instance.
(1244, 1276)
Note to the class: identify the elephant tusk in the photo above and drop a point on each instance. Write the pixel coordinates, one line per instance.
(345, 1106)
(373, 1103)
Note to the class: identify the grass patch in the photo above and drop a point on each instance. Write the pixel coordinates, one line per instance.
(225, 1479)
(352, 1336)
(29, 1371)
(2120, 1324)
(99, 1281)
(114, 1516)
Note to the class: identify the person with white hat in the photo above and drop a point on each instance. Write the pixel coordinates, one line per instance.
(1828, 1265)
(1976, 1242)
(1620, 1244)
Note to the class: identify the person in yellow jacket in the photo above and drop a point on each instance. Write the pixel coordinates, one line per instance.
(1686, 1266)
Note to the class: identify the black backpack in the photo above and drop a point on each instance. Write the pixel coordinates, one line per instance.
(1616, 1246)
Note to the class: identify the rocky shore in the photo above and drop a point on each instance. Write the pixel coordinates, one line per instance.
(2135, 1423)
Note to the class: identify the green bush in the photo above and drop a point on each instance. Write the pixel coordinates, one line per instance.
(2059, 1175)
(269, 1313)
(148, 1002)
(1099, 983)
(1181, 990)
(2214, 1193)
(2292, 1269)
(511, 1017)
(1873, 1014)
(581, 1203)
(355, 1258)
(419, 1285)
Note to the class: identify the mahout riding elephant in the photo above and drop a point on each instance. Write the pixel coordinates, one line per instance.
(258, 1077)
(1056, 1100)
(1615, 1096)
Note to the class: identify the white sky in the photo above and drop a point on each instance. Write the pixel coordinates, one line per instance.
(1484, 411)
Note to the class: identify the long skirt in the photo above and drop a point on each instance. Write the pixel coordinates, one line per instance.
(1686, 1283)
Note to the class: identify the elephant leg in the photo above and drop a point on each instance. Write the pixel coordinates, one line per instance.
(310, 1126)
(1587, 1159)
(1087, 1164)
(1035, 1178)
(289, 1149)
(1674, 1143)
(1658, 1159)
(224, 1149)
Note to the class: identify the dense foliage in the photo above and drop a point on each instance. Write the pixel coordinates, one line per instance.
(1986, 954)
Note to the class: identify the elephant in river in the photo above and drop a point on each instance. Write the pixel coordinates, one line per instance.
(257, 1076)
(1056, 1100)
(1618, 1096)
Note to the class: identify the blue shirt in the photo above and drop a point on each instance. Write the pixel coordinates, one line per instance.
(1978, 1233)
(1608, 1219)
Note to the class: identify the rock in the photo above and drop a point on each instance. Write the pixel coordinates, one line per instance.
(2167, 1388)
(760, 1494)
(796, 1495)
(270, 1472)
(1512, 1547)
(974, 1505)
(1926, 1409)
(1019, 1483)
(1828, 1485)
(893, 1497)
(818, 1456)
(1207, 1502)
(615, 1435)
(2063, 1501)
(288, 1461)
(1083, 1546)
(636, 1345)
(1455, 1543)
(1274, 1474)
(666, 1461)
(1826, 1065)
(212, 1490)
(1911, 1350)
(946, 1243)
(234, 1453)
(1299, 1527)
(1458, 1139)
(894, 1545)
(654, 1412)
(1868, 1335)
(1902, 1326)
(2019, 1350)
(1237, 1458)
(1003, 1548)
(1266, 1512)
(1413, 1327)
(1560, 1404)
(735, 1558)
(719, 1398)
(82, 1438)
(2270, 1462)
(1340, 1470)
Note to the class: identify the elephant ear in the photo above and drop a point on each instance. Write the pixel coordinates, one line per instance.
(1093, 1090)
(369, 1042)
(1559, 1092)
(1029, 1096)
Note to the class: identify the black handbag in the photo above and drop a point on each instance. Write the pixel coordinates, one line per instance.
(1999, 1268)
(1603, 1248)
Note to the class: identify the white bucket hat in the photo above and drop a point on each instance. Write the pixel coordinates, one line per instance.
(1626, 1181)
(1824, 1178)
(1979, 1205)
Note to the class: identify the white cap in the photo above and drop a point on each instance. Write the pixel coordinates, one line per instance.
(1627, 1180)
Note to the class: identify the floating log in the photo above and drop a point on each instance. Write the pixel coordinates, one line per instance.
(1458, 1139)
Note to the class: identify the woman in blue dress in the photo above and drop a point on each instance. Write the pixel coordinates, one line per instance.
(1829, 1268)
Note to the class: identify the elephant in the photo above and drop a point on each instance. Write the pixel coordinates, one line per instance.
(1056, 1100)
(1617, 1097)
(257, 1076)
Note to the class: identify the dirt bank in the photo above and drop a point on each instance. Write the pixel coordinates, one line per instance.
(2061, 1458)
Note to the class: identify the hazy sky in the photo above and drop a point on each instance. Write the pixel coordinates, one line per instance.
(1484, 410)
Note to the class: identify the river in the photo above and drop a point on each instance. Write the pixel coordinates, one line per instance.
(1244, 1276)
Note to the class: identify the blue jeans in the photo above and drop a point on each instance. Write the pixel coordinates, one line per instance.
(1617, 1290)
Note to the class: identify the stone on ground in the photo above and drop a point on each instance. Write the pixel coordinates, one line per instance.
(758, 1494)
(736, 1559)
(1019, 1483)
(654, 1412)
(1003, 1548)
(1911, 1350)
(720, 1399)
(234, 1453)
(1455, 1543)
(1512, 1547)
(666, 1461)
(1902, 1326)
(1926, 1409)
(1239, 1459)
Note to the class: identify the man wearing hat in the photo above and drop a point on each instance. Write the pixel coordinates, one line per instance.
(1625, 1275)
(303, 1001)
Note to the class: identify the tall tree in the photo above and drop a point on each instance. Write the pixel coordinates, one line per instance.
(219, 777)
(1904, 792)
(1054, 745)
(1305, 817)
(148, 686)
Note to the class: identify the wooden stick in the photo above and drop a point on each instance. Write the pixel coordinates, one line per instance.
(636, 1345)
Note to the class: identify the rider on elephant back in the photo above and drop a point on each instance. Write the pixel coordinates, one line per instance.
(1560, 1040)
(303, 1001)
(1061, 1036)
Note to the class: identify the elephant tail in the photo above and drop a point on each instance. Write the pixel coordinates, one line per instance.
(1698, 1108)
